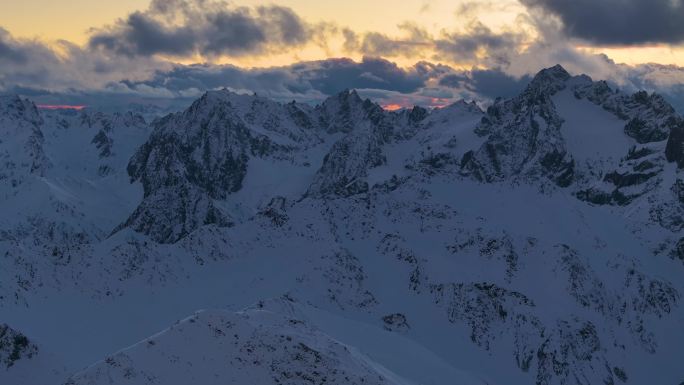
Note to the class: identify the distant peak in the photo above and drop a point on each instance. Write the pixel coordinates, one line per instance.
(556, 72)
(550, 80)
(463, 105)
(211, 98)
(349, 95)
(7, 99)
(14, 104)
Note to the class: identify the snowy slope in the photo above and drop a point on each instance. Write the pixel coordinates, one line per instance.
(538, 242)
(270, 343)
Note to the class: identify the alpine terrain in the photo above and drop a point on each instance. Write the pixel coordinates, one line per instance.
(246, 241)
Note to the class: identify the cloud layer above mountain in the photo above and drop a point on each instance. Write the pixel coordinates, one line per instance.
(618, 22)
(176, 49)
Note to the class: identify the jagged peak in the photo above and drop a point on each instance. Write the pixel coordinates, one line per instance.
(341, 111)
(16, 106)
(225, 94)
(238, 103)
(463, 105)
(653, 99)
(549, 80)
(13, 101)
(555, 72)
(346, 96)
(92, 118)
(8, 98)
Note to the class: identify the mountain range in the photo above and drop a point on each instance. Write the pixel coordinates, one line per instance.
(247, 241)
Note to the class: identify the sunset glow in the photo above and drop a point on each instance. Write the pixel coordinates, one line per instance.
(59, 107)
(392, 107)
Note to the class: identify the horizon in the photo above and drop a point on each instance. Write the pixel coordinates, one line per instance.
(390, 106)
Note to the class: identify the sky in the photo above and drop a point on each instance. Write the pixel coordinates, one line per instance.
(399, 53)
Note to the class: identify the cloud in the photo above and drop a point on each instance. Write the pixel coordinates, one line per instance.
(332, 75)
(424, 83)
(63, 65)
(618, 22)
(207, 28)
(496, 83)
(489, 83)
(470, 43)
(84, 77)
(64, 73)
(667, 80)
(477, 43)
(414, 42)
(304, 80)
(10, 53)
(308, 82)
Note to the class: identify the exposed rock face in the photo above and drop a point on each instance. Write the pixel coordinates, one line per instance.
(396, 323)
(483, 306)
(106, 124)
(525, 140)
(346, 166)
(573, 344)
(21, 146)
(14, 346)
(202, 154)
(675, 145)
(342, 113)
(524, 136)
(649, 117)
(173, 212)
(204, 146)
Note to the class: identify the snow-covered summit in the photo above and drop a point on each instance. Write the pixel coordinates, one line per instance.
(256, 346)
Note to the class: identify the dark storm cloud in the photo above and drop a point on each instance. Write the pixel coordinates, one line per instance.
(324, 77)
(305, 81)
(332, 75)
(202, 27)
(62, 65)
(453, 80)
(618, 22)
(491, 83)
(496, 83)
(142, 35)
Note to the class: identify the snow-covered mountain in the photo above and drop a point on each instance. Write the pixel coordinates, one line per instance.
(538, 242)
